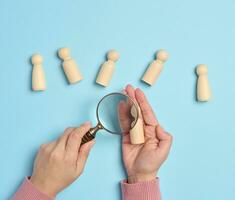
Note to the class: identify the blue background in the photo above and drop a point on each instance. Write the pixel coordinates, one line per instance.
(201, 164)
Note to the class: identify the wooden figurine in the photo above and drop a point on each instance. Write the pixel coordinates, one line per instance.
(38, 75)
(155, 68)
(107, 68)
(203, 88)
(137, 132)
(70, 67)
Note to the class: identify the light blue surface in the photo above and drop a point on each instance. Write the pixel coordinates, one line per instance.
(201, 164)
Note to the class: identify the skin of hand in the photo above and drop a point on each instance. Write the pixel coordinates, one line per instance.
(61, 162)
(142, 161)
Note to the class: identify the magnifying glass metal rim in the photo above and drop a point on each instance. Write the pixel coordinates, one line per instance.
(90, 135)
(110, 94)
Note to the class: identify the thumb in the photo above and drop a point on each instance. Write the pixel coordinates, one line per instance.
(165, 139)
(83, 154)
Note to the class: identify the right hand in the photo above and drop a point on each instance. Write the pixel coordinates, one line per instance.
(142, 161)
(61, 162)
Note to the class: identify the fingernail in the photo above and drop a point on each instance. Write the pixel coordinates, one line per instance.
(138, 89)
(87, 123)
(129, 85)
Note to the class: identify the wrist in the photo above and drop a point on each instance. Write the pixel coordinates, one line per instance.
(136, 178)
(43, 187)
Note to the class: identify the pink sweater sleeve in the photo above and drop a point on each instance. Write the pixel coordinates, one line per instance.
(148, 190)
(28, 192)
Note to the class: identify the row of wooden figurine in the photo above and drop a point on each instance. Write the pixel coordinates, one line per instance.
(105, 74)
(106, 71)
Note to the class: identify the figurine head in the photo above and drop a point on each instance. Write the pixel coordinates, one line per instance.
(113, 55)
(162, 55)
(64, 53)
(36, 59)
(201, 69)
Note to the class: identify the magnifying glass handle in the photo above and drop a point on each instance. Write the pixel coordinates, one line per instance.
(90, 135)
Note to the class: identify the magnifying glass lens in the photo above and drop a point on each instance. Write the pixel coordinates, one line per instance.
(115, 113)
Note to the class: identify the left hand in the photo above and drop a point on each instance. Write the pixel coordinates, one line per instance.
(142, 161)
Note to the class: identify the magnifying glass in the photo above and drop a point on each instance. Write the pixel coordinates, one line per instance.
(108, 115)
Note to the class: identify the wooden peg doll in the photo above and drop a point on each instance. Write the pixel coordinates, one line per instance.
(203, 88)
(137, 132)
(70, 67)
(155, 68)
(38, 75)
(107, 69)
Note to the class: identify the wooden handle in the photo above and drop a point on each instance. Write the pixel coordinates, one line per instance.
(90, 135)
(87, 137)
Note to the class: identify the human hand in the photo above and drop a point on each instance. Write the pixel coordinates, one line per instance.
(61, 162)
(142, 161)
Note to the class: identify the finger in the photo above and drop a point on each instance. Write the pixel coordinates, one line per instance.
(83, 154)
(124, 119)
(61, 142)
(74, 141)
(72, 146)
(81, 131)
(149, 132)
(146, 109)
(130, 91)
(124, 116)
(165, 139)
